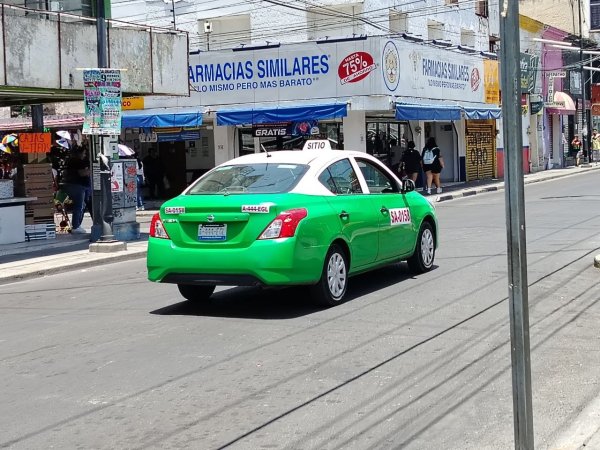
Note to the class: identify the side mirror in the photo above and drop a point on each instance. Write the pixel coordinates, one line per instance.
(408, 185)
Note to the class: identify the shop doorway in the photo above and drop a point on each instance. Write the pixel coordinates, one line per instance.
(387, 139)
(333, 131)
(446, 139)
(172, 156)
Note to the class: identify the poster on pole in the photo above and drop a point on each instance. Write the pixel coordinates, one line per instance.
(102, 101)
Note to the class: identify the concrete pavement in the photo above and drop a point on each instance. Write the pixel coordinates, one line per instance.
(71, 252)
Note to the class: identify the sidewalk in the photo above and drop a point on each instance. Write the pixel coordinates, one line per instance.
(68, 252)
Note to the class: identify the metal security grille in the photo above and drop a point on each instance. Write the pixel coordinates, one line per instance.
(481, 150)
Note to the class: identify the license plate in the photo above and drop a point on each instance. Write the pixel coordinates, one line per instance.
(212, 232)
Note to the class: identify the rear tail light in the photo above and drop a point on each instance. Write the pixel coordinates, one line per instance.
(284, 225)
(157, 230)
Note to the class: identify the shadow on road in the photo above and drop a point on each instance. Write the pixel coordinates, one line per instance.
(281, 303)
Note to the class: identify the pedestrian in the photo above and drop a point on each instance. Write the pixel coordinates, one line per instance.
(595, 144)
(76, 184)
(140, 182)
(576, 149)
(410, 164)
(154, 173)
(575, 145)
(433, 164)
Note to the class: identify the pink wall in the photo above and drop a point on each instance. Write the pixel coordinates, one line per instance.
(500, 161)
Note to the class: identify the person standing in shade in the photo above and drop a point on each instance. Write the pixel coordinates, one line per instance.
(433, 164)
(410, 163)
(76, 184)
(154, 173)
(140, 182)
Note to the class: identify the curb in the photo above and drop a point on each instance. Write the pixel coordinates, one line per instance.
(89, 261)
(470, 192)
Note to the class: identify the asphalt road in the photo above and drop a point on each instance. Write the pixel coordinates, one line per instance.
(102, 358)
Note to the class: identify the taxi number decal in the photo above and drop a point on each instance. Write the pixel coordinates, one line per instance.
(399, 216)
(175, 210)
(255, 208)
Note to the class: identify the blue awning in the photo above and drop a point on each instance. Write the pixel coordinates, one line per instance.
(160, 118)
(483, 113)
(408, 111)
(282, 114)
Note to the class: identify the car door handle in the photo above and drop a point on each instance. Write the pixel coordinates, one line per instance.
(384, 210)
(344, 215)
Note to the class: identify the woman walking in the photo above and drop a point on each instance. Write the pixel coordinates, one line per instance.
(140, 183)
(433, 164)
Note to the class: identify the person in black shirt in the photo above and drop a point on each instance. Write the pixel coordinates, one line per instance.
(76, 184)
(154, 172)
(410, 163)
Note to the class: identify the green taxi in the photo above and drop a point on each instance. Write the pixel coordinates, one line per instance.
(303, 217)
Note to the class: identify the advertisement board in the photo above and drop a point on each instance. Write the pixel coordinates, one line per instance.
(102, 101)
(314, 71)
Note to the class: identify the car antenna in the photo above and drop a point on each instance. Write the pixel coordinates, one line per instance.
(265, 150)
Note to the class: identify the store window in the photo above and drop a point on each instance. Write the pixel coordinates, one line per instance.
(387, 139)
(333, 131)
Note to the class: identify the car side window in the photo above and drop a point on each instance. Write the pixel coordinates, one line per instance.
(340, 178)
(379, 182)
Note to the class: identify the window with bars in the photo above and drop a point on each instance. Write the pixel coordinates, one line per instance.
(481, 8)
(594, 15)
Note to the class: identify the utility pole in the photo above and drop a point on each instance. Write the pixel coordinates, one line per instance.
(102, 202)
(515, 225)
(173, 11)
(584, 131)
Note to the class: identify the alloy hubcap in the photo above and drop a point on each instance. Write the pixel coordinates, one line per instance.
(336, 275)
(427, 247)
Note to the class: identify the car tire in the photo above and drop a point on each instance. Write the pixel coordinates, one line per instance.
(422, 259)
(332, 286)
(195, 292)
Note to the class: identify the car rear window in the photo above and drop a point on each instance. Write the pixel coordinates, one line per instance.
(249, 179)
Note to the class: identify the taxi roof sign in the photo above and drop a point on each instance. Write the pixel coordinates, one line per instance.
(317, 144)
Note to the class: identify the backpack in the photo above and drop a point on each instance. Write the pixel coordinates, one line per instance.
(428, 156)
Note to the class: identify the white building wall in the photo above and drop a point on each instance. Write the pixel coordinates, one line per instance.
(354, 131)
(283, 24)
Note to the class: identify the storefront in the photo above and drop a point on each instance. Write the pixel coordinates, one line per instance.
(367, 94)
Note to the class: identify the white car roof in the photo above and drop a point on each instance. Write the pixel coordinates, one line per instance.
(309, 157)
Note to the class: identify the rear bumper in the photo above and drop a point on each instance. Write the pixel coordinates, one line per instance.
(268, 262)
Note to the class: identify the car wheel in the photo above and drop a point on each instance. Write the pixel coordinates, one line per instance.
(331, 288)
(194, 292)
(422, 259)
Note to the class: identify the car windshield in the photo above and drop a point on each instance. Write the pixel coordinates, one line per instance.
(270, 178)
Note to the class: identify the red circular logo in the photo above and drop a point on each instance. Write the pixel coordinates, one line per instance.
(475, 79)
(355, 67)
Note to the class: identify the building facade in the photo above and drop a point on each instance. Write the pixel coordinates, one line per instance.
(369, 76)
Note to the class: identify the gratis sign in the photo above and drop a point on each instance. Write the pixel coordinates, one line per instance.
(102, 101)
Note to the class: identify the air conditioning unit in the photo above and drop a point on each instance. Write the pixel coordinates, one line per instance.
(208, 27)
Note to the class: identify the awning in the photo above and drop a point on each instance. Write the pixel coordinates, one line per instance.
(282, 114)
(482, 113)
(562, 104)
(408, 111)
(161, 118)
(60, 121)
